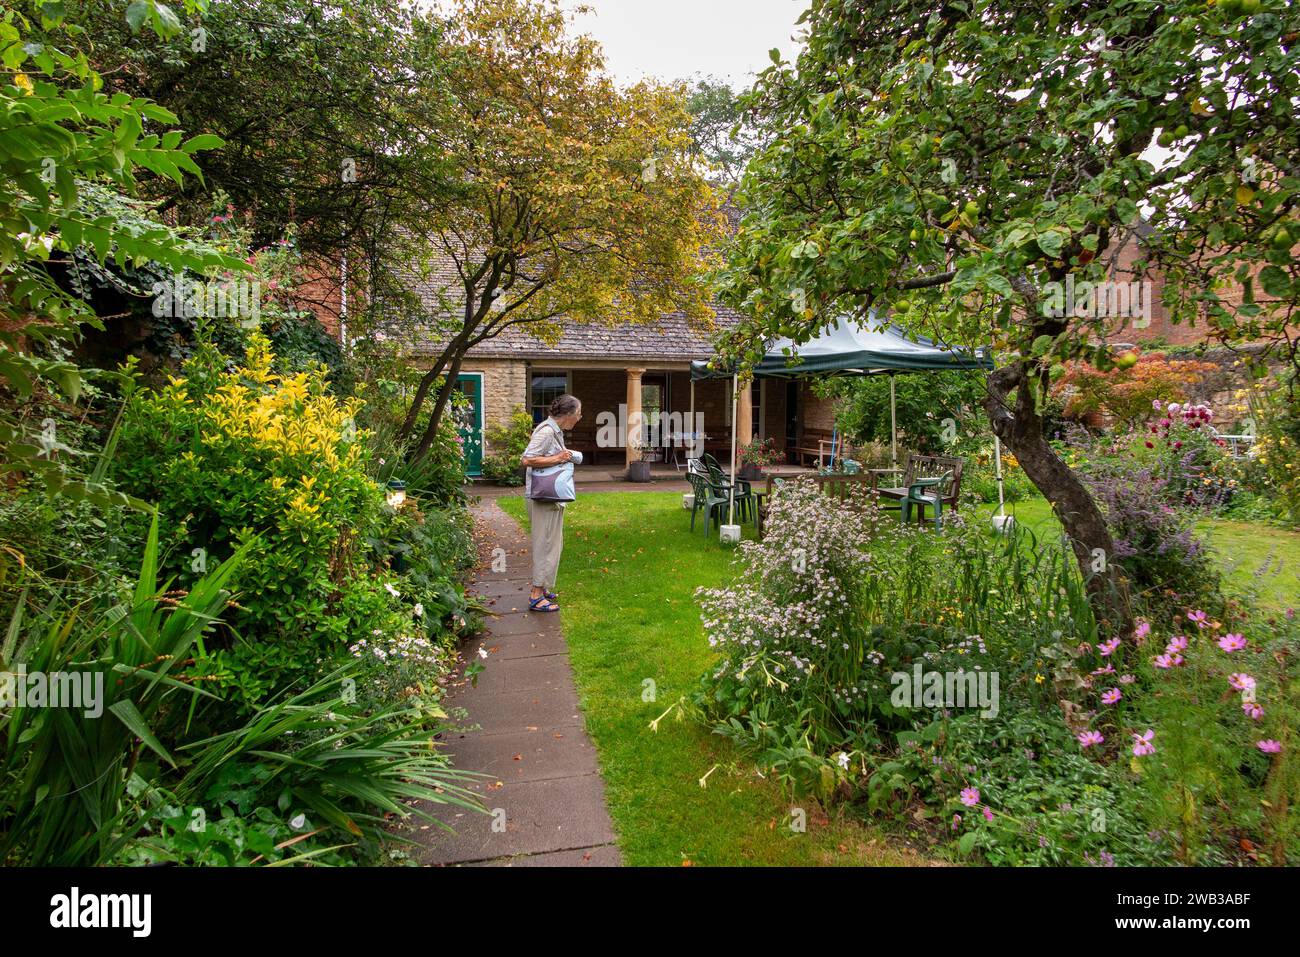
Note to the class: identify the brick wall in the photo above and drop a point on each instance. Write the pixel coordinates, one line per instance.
(321, 292)
(818, 413)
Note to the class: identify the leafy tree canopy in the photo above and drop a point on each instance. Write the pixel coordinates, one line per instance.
(946, 162)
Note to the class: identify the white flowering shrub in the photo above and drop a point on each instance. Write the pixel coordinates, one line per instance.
(839, 597)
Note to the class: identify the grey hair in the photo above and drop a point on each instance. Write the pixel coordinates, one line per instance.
(563, 405)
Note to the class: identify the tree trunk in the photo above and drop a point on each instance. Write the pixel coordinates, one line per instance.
(444, 396)
(417, 401)
(1017, 423)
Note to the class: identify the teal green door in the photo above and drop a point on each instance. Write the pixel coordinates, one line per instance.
(469, 421)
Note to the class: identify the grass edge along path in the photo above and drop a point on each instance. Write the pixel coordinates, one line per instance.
(678, 796)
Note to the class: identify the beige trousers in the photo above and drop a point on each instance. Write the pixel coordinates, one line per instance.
(547, 520)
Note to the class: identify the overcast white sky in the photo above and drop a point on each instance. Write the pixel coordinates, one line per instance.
(675, 39)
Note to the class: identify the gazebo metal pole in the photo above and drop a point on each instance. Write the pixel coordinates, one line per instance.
(690, 423)
(893, 423)
(731, 493)
(997, 458)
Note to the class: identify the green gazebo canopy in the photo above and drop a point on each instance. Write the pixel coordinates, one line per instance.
(849, 347)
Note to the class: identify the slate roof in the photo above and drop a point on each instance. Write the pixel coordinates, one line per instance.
(670, 337)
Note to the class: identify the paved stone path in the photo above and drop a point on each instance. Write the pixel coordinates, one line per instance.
(544, 787)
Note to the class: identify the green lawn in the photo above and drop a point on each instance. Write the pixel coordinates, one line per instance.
(629, 571)
(630, 568)
(1253, 556)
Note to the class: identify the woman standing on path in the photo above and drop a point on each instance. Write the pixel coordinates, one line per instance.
(546, 448)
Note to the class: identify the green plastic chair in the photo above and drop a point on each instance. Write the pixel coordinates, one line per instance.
(707, 497)
(918, 495)
(746, 504)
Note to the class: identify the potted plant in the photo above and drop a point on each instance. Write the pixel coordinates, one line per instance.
(756, 457)
(639, 469)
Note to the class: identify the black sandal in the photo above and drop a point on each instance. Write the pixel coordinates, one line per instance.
(533, 604)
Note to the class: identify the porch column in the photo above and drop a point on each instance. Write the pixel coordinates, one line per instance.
(632, 440)
(745, 415)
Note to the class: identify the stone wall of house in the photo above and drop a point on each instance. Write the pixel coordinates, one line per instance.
(505, 385)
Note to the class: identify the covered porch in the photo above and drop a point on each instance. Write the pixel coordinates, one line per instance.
(643, 412)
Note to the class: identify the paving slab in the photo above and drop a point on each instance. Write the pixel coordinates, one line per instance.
(605, 855)
(543, 674)
(527, 817)
(525, 755)
(506, 622)
(522, 646)
(523, 728)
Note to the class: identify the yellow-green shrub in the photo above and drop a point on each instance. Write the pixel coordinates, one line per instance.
(249, 455)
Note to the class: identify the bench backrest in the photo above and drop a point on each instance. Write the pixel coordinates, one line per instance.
(932, 466)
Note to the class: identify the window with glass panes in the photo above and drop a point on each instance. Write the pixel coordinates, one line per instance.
(544, 388)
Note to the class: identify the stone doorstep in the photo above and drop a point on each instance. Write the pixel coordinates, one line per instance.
(539, 816)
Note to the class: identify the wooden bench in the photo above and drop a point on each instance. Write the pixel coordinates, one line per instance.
(584, 440)
(818, 444)
(927, 466)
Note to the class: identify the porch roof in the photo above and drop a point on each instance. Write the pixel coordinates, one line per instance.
(670, 337)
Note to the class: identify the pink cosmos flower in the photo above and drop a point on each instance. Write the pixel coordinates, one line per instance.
(1108, 670)
(1270, 746)
(1199, 617)
(1112, 696)
(1253, 711)
(1176, 644)
(1233, 642)
(988, 813)
(1242, 682)
(956, 821)
(970, 796)
(1143, 629)
(1168, 661)
(1088, 738)
(1142, 743)
(1107, 648)
(1127, 679)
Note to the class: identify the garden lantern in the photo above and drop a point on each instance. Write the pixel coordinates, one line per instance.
(396, 493)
